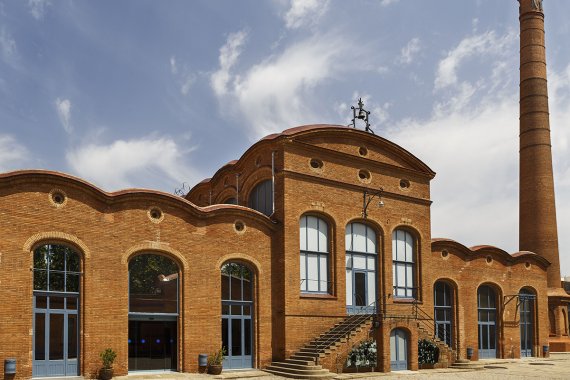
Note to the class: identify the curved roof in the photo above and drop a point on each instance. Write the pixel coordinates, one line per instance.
(32, 177)
(478, 250)
(314, 129)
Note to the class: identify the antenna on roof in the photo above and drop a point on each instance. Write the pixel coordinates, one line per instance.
(182, 191)
(359, 113)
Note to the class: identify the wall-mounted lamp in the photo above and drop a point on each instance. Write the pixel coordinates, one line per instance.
(368, 197)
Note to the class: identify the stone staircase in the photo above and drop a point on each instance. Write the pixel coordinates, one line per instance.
(304, 363)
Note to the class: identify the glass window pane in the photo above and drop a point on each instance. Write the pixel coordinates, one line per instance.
(40, 280)
(71, 303)
(323, 271)
(225, 335)
(235, 286)
(371, 287)
(153, 284)
(225, 309)
(313, 273)
(303, 233)
(57, 258)
(349, 287)
(72, 283)
(40, 260)
(323, 236)
(409, 276)
(72, 261)
(56, 302)
(303, 271)
(492, 337)
(247, 336)
(371, 262)
(41, 302)
(246, 310)
(359, 237)
(401, 275)
(225, 280)
(312, 234)
(409, 247)
(56, 336)
(348, 237)
(394, 246)
(247, 287)
(359, 289)
(39, 337)
(370, 240)
(401, 246)
(236, 309)
(358, 262)
(71, 336)
(236, 337)
(56, 282)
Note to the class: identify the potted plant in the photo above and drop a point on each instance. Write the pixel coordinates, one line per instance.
(107, 357)
(215, 361)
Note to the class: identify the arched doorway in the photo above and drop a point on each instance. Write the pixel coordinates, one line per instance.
(361, 261)
(237, 315)
(487, 313)
(153, 313)
(398, 350)
(57, 273)
(443, 311)
(526, 310)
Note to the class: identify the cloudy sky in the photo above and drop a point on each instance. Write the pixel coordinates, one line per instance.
(156, 93)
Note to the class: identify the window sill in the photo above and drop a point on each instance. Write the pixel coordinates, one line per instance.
(405, 300)
(318, 296)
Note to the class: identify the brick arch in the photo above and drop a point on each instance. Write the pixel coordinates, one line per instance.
(156, 247)
(56, 236)
(254, 265)
(258, 176)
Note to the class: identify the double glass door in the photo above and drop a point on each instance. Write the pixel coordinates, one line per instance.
(152, 345)
(56, 331)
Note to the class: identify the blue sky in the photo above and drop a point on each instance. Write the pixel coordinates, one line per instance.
(155, 93)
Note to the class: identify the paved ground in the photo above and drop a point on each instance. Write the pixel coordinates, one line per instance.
(556, 367)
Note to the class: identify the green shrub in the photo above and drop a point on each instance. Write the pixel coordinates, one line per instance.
(428, 352)
(363, 355)
(108, 357)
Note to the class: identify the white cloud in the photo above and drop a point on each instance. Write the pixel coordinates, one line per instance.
(409, 51)
(305, 12)
(229, 54)
(38, 8)
(12, 154)
(276, 93)
(486, 44)
(63, 107)
(7, 45)
(173, 66)
(124, 163)
(385, 3)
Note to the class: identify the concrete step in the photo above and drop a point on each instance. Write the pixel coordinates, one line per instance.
(297, 371)
(301, 362)
(327, 375)
(297, 366)
(467, 364)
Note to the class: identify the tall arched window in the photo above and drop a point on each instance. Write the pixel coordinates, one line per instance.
(56, 311)
(526, 309)
(361, 253)
(443, 311)
(153, 313)
(403, 264)
(237, 310)
(261, 197)
(487, 313)
(314, 244)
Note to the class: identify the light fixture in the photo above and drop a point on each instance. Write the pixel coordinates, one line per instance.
(368, 197)
(359, 113)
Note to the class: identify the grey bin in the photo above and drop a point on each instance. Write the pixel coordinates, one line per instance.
(10, 366)
(202, 360)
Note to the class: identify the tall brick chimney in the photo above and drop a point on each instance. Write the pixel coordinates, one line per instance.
(537, 211)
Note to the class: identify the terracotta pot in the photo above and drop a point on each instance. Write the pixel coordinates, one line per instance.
(215, 369)
(106, 373)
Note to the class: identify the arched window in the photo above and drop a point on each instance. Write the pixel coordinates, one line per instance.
(261, 197)
(361, 253)
(403, 264)
(314, 244)
(526, 309)
(231, 201)
(56, 311)
(237, 310)
(153, 313)
(487, 314)
(443, 311)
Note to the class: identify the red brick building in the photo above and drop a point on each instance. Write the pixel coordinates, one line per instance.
(320, 229)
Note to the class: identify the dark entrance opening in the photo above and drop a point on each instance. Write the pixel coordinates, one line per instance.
(152, 345)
